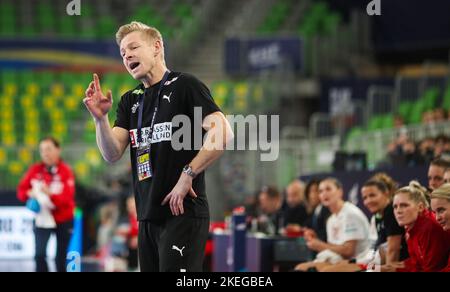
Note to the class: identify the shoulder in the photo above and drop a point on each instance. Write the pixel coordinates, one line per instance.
(189, 80)
(34, 168)
(426, 227)
(388, 214)
(65, 168)
(352, 212)
(130, 94)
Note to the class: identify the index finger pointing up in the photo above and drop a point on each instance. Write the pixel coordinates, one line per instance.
(97, 83)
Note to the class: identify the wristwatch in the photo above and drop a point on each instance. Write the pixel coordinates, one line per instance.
(188, 170)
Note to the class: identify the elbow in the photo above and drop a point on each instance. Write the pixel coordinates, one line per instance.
(111, 159)
(348, 253)
(229, 138)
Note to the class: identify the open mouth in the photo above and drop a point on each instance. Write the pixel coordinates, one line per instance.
(134, 65)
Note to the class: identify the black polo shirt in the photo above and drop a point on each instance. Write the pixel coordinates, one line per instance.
(179, 96)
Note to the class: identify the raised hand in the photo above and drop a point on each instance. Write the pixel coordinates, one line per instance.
(97, 104)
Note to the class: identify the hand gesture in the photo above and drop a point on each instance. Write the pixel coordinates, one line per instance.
(97, 104)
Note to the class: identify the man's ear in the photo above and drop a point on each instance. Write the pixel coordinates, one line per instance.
(158, 47)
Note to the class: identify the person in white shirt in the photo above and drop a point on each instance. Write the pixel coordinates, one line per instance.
(347, 229)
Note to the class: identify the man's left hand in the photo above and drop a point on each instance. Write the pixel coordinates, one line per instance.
(176, 196)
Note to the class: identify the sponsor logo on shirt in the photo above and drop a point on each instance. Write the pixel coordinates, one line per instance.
(138, 91)
(135, 107)
(161, 132)
(171, 81)
(167, 97)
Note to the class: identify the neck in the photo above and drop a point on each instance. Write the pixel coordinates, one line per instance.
(410, 226)
(381, 212)
(155, 75)
(335, 208)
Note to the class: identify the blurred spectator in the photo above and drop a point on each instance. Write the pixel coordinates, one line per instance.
(50, 187)
(439, 115)
(428, 243)
(271, 216)
(109, 215)
(390, 183)
(428, 117)
(440, 204)
(436, 173)
(441, 146)
(426, 149)
(295, 211)
(317, 213)
(447, 176)
(132, 234)
(377, 199)
(387, 237)
(251, 207)
(347, 229)
(402, 152)
(399, 122)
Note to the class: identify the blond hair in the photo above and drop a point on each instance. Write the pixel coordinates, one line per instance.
(150, 32)
(417, 193)
(442, 193)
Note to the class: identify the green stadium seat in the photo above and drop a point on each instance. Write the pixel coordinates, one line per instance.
(331, 22)
(387, 121)
(240, 96)
(221, 93)
(430, 97)
(375, 123)
(404, 109)
(446, 99)
(107, 27)
(3, 157)
(82, 171)
(417, 110)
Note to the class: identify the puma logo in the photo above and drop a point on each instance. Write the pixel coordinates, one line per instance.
(174, 247)
(167, 97)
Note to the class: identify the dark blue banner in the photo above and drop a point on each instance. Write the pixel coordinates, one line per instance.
(250, 56)
(352, 88)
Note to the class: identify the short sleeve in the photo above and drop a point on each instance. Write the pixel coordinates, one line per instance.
(200, 96)
(354, 228)
(123, 112)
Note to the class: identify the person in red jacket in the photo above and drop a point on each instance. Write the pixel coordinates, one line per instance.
(428, 244)
(440, 203)
(51, 183)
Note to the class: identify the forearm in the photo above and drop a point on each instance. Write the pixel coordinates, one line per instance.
(204, 159)
(107, 143)
(392, 255)
(345, 251)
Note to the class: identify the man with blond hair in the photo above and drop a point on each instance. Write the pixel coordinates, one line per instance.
(169, 182)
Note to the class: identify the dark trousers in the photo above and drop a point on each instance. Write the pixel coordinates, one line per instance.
(63, 234)
(175, 246)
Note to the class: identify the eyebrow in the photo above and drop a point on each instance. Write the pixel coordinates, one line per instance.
(128, 45)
